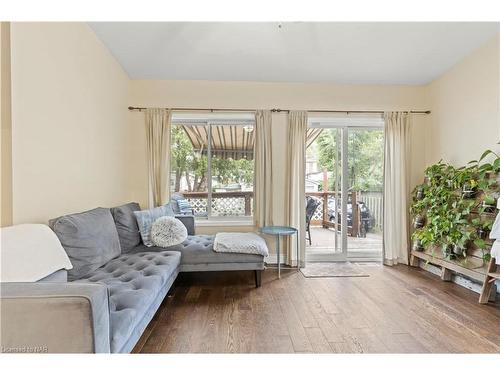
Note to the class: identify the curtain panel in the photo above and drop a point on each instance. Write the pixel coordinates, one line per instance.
(295, 188)
(396, 187)
(158, 126)
(263, 179)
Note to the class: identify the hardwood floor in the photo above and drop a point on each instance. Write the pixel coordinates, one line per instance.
(395, 310)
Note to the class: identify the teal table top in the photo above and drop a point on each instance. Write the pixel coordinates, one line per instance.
(278, 230)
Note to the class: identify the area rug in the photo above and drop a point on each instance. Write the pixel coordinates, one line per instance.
(333, 269)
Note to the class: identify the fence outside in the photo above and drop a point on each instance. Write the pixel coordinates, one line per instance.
(374, 200)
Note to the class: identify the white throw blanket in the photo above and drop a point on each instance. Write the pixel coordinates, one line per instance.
(247, 243)
(30, 252)
(495, 235)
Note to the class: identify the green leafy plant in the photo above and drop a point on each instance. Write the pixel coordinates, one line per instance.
(483, 226)
(488, 204)
(483, 245)
(447, 199)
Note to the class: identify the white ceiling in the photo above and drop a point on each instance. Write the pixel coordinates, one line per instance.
(345, 53)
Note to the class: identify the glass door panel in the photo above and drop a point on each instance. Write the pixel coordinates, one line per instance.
(323, 191)
(365, 177)
(344, 215)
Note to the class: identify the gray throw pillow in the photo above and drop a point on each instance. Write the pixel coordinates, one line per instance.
(146, 218)
(126, 225)
(89, 238)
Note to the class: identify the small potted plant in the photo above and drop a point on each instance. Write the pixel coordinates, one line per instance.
(469, 189)
(483, 228)
(420, 240)
(419, 221)
(447, 250)
(488, 204)
(417, 245)
(482, 245)
(459, 240)
(420, 193)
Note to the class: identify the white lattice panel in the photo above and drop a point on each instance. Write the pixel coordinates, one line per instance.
(227, 206)
(318, 214)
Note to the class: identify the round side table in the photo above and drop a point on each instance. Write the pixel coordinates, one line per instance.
(279, 231)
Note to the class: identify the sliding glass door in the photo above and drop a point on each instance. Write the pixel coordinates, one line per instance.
(344, 188)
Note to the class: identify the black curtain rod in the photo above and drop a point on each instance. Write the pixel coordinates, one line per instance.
(277, 110)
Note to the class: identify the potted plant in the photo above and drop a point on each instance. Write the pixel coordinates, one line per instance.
(447, 250)
(421, 239)
(459, 240)
(482, 245)
(483, 228)
(469, 189)
(488, 204)
(417, 245)
(420, 193)
(419, 221)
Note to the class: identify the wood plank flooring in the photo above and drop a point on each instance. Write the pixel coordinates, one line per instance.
(395, 310)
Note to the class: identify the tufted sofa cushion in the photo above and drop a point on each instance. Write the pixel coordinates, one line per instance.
(134, 281)
(199, 249)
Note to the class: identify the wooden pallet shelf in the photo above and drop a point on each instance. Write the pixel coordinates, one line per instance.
(489, 286)
(472, 267)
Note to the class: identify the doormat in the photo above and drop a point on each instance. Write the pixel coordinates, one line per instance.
(333, 269)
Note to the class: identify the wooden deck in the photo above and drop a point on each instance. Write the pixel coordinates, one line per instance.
(395, 310)
(323, 239)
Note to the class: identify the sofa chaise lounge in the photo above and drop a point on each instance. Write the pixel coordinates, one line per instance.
(115, 287)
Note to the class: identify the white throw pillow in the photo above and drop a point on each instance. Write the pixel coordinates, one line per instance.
(168, 231)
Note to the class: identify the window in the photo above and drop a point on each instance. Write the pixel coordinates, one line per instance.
(216, 177)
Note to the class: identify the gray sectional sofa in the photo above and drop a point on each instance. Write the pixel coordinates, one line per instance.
(115, 287)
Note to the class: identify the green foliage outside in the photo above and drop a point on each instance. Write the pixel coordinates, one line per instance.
(365, 161)
(365, 157)
(192, 166)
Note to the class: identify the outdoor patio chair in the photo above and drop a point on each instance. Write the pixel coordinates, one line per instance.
(311, 206)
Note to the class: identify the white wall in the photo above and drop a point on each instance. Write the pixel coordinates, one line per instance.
(70, 124)
(255, 95)
(465, 104)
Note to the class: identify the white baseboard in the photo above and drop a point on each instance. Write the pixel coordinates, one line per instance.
(272, 259)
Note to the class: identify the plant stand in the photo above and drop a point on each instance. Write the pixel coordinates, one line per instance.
(474, 268)
(489, 282)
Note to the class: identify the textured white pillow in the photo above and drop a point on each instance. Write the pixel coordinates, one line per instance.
(168, 231)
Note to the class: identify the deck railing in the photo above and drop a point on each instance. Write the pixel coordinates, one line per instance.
(373, 201)
(224, 203)
(240, 203)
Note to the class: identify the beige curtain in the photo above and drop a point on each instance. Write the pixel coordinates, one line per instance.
(295, 186)
(396, 187)
(158, 124)
(263, 181)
